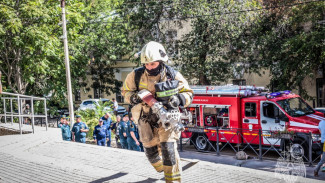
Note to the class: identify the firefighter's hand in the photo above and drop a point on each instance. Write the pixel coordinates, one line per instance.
(159, 109)
(137, 142)
(135, 99)
(182, 99)
(174, 101)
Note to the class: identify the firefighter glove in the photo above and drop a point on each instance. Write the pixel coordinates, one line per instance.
(135, 99)
(174, 101)
(162, 113)
(182, 99)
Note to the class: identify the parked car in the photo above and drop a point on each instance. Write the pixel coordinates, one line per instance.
(58, 113)
(93, 103)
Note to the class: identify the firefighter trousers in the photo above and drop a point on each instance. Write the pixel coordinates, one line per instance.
(158, 142)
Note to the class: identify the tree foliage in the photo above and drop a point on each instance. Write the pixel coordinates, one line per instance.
(203, 51)
(31, 47)
(151, 21)
(91, 117)
(287, 40)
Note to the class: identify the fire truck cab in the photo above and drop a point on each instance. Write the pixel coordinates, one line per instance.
(240, 113)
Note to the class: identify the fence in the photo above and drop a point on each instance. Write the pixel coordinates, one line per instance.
(20, 99)
(252, 139)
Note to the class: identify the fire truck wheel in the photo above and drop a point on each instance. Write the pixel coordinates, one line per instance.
(201, 143)
(299, 149)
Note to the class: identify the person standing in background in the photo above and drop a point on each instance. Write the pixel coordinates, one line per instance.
(115, 106)
(122, 128)
(321, 127)
(107, 120)
(116, 131)
(79, 130)
(100, 133)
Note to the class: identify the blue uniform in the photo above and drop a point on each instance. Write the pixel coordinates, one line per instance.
(79, 136)
(122, 128)
(132, 145)
(100, 134)
(108, 122)
(137, 135)
(66, 132)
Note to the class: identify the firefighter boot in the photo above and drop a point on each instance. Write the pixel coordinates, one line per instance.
(154, 158)
(170, 156)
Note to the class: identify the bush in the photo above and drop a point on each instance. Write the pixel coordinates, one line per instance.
(91, 117)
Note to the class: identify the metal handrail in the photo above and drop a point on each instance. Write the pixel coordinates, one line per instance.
(20, 114)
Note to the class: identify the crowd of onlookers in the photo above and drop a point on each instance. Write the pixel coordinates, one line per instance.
(125, 131)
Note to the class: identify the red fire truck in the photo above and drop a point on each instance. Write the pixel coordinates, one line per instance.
(242, 112)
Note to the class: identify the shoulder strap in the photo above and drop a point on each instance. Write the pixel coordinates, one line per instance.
(171, 73)
(138, 73)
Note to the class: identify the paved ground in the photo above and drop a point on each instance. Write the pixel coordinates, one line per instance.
(44, 157)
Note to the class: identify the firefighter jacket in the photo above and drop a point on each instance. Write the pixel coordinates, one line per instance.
(148, 82)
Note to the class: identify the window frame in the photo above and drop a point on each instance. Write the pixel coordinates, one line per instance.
(250, 105)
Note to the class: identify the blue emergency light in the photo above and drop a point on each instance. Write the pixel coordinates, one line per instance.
(275, 94)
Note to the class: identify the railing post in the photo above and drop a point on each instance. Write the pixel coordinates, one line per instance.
(217, 145)
(19, 116)
(45, 112)
(12, 112)
(32, 108)
(310, 149)
(4, 110)
(260, 144)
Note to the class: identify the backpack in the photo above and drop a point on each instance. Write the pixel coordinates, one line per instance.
(171, 73)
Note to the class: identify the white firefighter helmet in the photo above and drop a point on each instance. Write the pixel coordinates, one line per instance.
(152, 52)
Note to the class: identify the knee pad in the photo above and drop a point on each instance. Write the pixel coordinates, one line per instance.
(168, 153)
(152, 154)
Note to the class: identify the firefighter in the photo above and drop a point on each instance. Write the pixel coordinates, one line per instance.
(107, 120)
(79, 130)
(122, 128)
(133, 143)
(116, 131)
(100, 133)
(140, 86)
(65, 128)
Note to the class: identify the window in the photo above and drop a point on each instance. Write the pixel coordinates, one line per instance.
(250, 109)
(272, 111)
(239, 82)
(295, 107)
(88, 103)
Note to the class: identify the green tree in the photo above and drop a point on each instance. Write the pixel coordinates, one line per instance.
(32, 57)
(28, 43)
(203, 51)
(288, 40)
(150, 21)
(105, 41)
